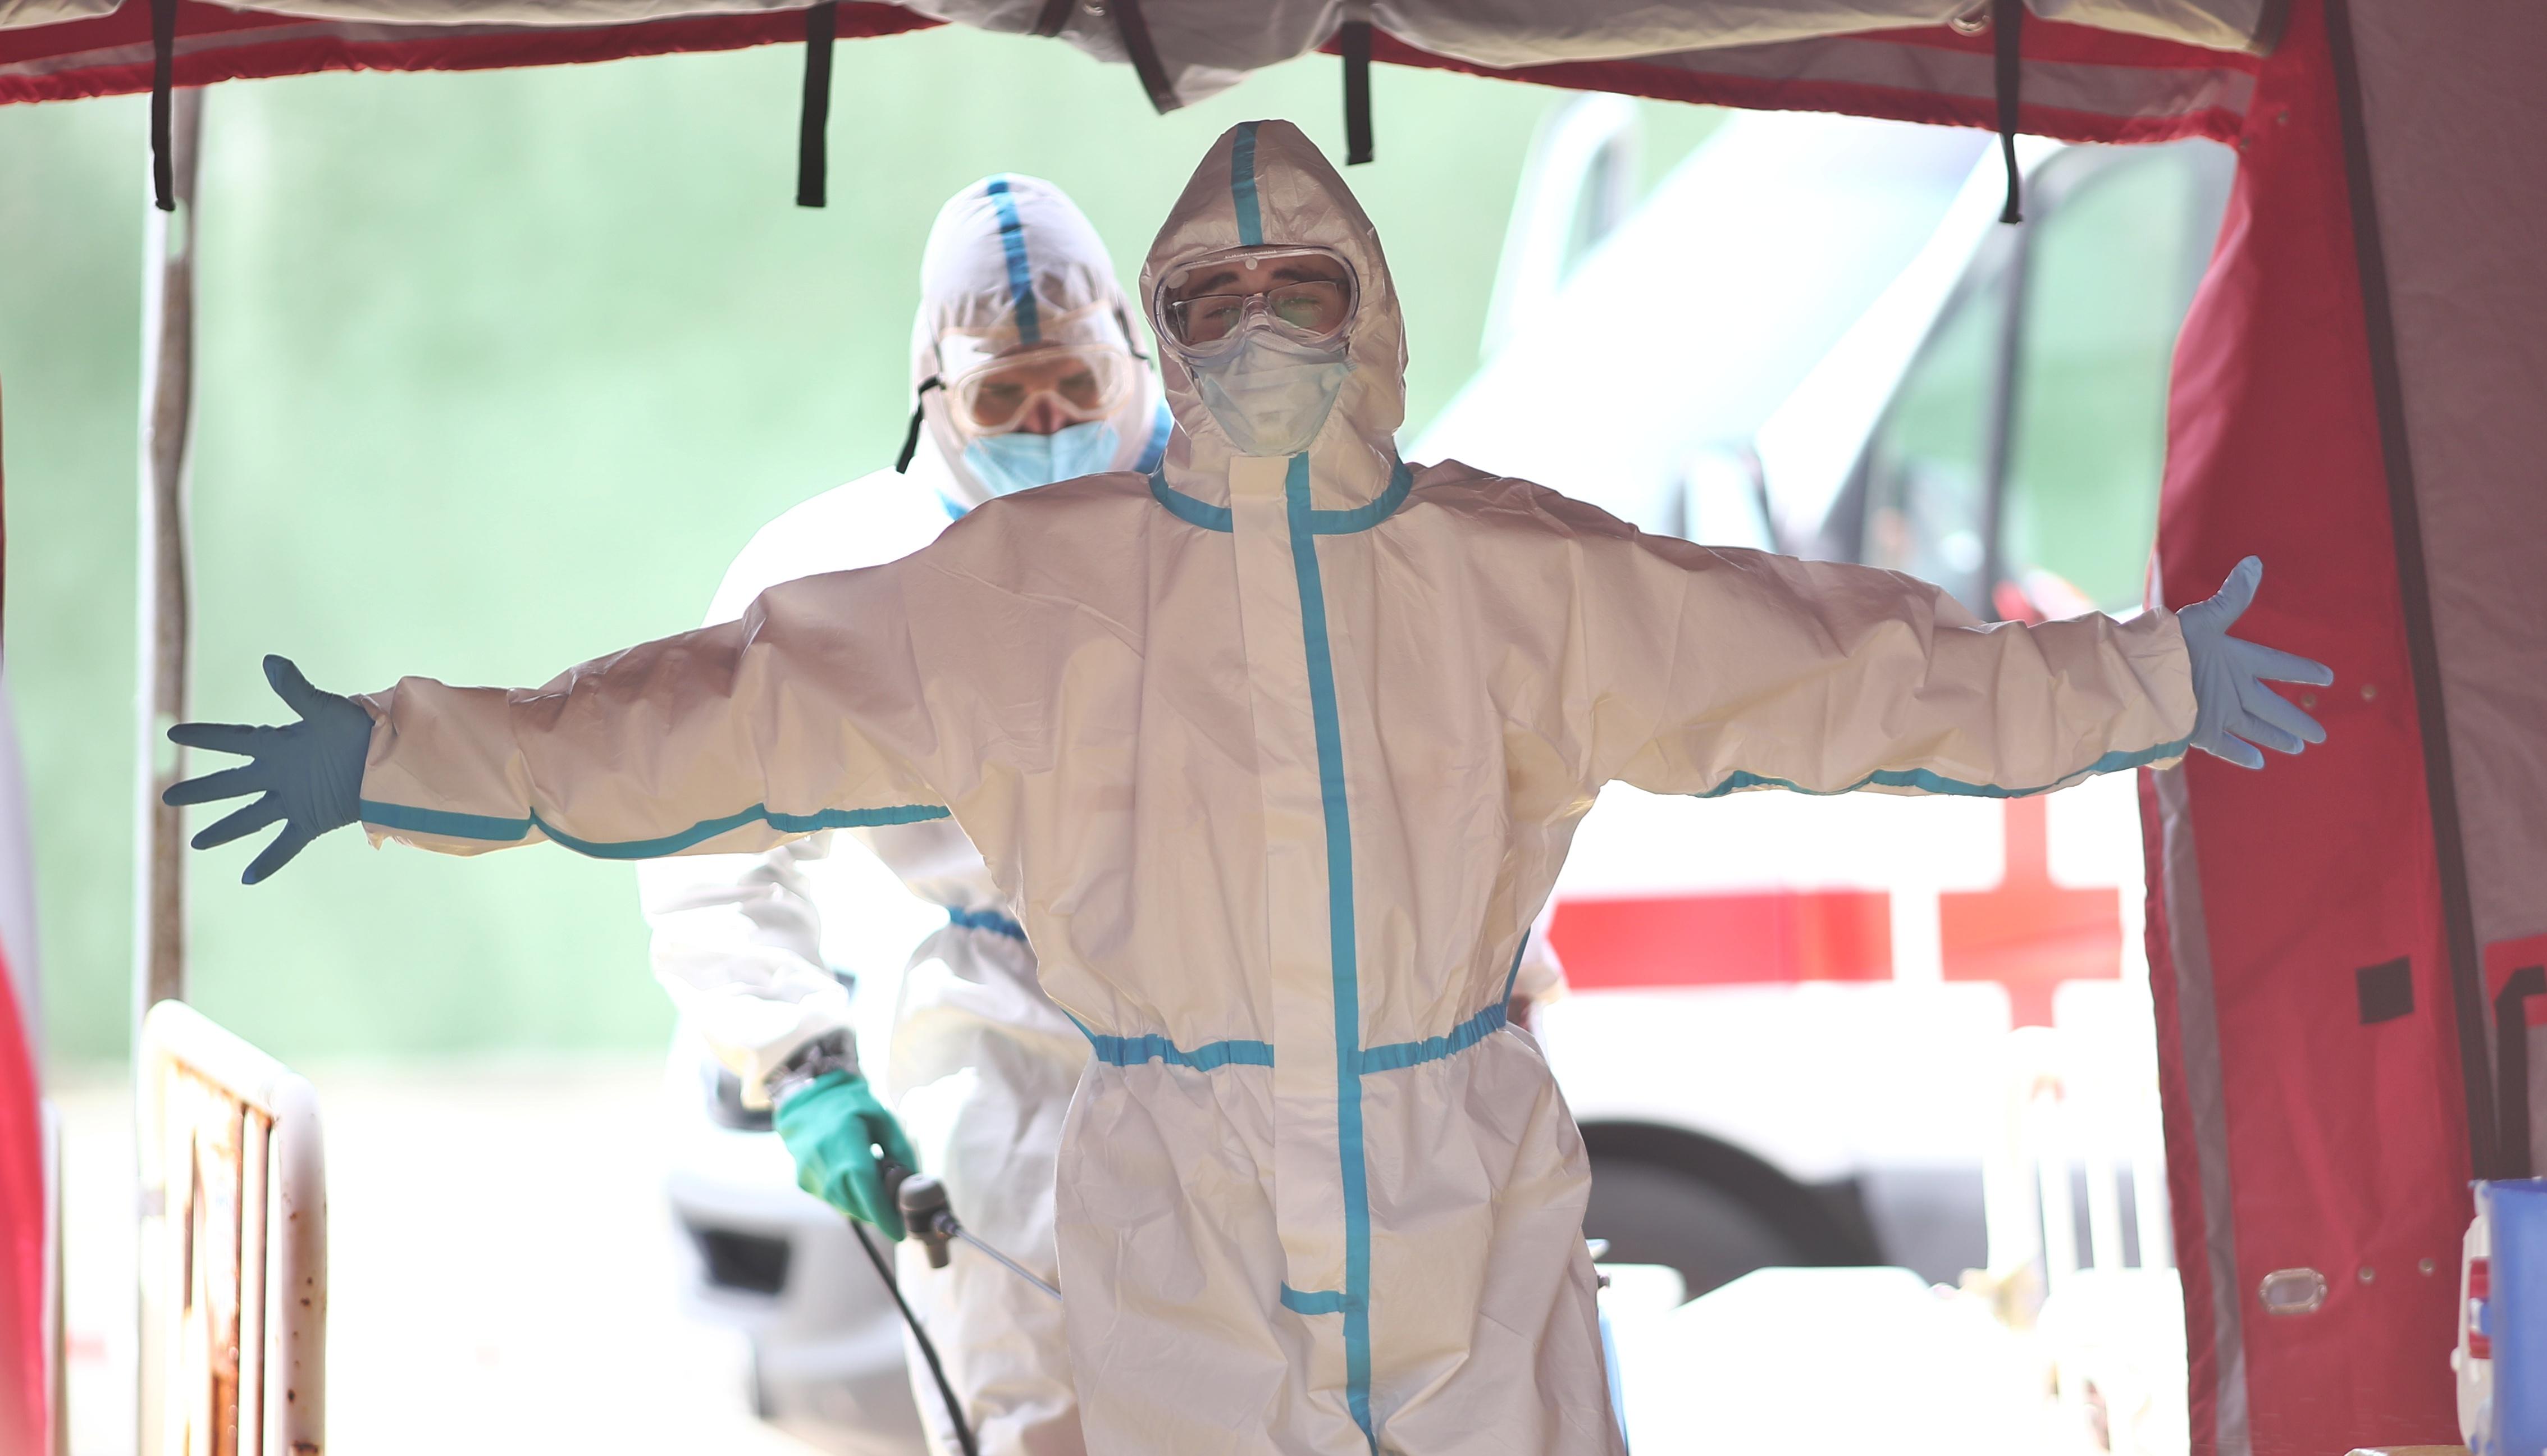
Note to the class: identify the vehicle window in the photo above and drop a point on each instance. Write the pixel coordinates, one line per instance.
(2111, 271)
(1927, 466)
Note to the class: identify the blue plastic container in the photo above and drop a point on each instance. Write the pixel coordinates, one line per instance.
(2515, 1315)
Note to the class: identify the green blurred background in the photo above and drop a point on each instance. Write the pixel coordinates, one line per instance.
(497, 373)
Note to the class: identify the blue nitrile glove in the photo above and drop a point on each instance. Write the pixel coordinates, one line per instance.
(2234, 711)
(832, 1128)
(309, 774)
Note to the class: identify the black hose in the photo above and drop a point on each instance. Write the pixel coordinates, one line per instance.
(920, 1337)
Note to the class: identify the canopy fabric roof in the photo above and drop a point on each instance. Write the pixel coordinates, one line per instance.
(1894, 58)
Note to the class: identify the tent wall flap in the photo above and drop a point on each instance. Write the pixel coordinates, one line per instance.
(2305, 1132)
(2449, 152)
(2413, 583)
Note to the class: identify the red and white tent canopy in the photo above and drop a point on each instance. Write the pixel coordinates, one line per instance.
(2343, 946)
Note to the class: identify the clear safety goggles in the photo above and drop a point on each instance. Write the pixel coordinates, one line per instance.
(1080, 382)
(1204, 302)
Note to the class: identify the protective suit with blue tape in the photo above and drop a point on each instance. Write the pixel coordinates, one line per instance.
(980, 1070)
(1278, 756)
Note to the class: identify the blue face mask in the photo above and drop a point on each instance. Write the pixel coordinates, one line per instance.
(1006, 464)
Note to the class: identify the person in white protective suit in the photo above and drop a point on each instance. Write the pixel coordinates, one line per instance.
(1028, 369)
(1276, 752)
(1017, 292)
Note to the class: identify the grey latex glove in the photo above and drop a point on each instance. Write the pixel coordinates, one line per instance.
(307, 776)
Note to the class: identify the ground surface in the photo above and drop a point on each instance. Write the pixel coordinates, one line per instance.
(503, 1279)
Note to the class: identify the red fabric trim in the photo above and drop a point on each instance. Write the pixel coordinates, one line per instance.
(24, 1213)
(415, 49)
(1899, 104)
(2346, 1143)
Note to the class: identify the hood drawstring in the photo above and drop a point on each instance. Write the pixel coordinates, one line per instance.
(910, 436)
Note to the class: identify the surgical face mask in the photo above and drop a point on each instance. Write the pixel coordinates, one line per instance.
(1017, 461)
(1272, 393)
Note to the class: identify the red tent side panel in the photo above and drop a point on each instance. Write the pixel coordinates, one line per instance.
(110, 56)
(24, 1211)
(2315, 1108)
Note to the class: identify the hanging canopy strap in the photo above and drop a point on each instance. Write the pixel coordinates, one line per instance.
(1353, 41)
(163, 81)
(2007, 19)
(1144, 54)
(813, 163)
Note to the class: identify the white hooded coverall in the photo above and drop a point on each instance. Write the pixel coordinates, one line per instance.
(1277, 758)
(982, 1062)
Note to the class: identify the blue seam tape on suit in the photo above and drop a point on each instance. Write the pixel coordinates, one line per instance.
(450, 825)
(1399, 1054)
(1211, 517)
(1133, 1050)
(1163, 423)
(1186, 508)
(1312, 1302)
(1012, 243)
(1242, 186)
(1928, 782)
(1340, 950)
(988, 920)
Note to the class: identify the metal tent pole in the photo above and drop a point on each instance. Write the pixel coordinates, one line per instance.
(163, 619)
(167, 436)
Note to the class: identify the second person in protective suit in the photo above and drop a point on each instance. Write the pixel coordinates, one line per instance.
(1277, 753)
(1027, 368)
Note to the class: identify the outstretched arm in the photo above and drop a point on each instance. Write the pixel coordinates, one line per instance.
(1723, 671)
(807, 714)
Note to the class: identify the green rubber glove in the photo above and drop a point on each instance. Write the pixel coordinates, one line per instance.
(832, 1128)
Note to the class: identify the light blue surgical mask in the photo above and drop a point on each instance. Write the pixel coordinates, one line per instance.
(1014, 462)
(1272, 393)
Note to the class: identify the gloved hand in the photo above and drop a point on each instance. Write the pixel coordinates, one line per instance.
(832, 1128)
(307, 774)
(2233, 709)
